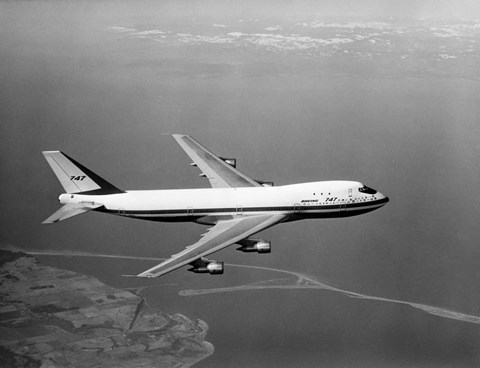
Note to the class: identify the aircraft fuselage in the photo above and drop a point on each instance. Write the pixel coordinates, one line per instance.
(324, 199)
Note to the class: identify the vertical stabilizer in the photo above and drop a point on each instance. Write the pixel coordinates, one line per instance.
(75, 177)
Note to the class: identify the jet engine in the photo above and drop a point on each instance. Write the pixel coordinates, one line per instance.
(203, 265)
(231, 161)
(255, 245)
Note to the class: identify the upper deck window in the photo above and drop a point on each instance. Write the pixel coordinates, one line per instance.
(367, 190)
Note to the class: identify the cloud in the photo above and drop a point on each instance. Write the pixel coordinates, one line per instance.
(274, 28)
(152, 32)
(446, 56)
(269, 41)
(346, 25)
(457, 30)
(120, 29)
(361, 39)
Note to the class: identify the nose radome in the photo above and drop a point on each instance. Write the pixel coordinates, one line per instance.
(383, 197)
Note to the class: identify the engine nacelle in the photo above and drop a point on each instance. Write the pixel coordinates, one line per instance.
(255, 245)
(231, 161)
(207, 266)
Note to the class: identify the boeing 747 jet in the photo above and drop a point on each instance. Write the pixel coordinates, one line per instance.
(236, 207)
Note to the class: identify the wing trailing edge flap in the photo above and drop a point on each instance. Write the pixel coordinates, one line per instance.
(223, 234)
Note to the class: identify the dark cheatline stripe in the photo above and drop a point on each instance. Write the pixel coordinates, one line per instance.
(203, 211)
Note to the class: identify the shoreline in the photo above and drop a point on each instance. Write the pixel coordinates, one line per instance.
(51, 317)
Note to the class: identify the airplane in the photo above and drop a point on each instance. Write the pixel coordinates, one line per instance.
(236, 206)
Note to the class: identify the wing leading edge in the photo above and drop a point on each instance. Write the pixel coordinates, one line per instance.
(218, 172)
(223, 234)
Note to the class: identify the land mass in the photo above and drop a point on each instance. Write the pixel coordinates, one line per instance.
(51, 318)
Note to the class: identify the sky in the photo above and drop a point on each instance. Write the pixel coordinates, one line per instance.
(296, 93)
(410, 8)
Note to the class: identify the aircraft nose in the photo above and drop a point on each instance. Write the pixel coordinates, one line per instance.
(383, 198)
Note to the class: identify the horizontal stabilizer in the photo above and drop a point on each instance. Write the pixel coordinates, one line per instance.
(70, 210)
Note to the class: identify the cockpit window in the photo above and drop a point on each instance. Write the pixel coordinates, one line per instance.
(367, 190)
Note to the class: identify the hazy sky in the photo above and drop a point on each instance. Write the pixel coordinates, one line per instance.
(412, 8)
(396, 106)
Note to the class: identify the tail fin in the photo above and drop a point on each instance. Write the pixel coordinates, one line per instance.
(75, 177)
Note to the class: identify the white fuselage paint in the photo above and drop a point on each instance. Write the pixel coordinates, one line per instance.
(317, 199)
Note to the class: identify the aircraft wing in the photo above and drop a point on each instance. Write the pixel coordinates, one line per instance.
(223, 234)
(217, 171)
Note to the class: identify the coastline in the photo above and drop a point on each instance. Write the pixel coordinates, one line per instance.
(51, 317)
